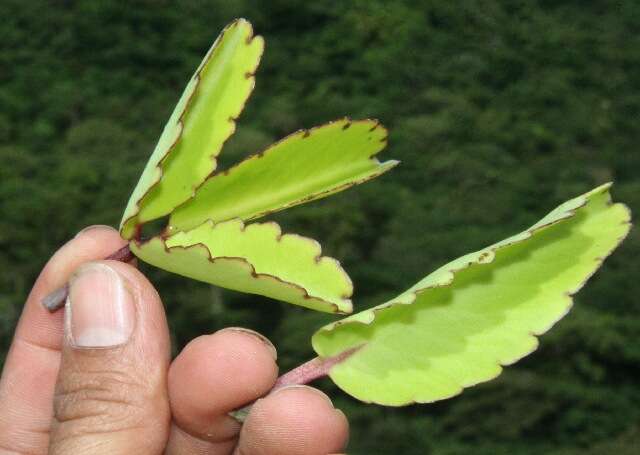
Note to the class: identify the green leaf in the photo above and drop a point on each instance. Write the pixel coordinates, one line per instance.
(257, 259)
(201, 122)
(307, 165)
(461, 324)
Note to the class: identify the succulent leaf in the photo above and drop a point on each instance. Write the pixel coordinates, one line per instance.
(256, 259)
(307, 165)
(458, 326)
(201, 122)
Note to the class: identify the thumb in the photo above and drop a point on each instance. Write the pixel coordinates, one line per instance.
(111, 393)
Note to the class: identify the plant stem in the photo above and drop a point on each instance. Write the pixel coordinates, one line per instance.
(315, 368)
(55, 300)
(309, 371)
(124, 254)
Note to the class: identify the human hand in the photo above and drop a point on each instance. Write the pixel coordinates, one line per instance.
(97, 378)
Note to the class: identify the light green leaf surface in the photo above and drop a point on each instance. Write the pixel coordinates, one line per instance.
(307, 165)
(461, 324)
(201, 122)
(256, 259)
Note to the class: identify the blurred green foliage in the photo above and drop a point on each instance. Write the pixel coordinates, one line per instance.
(499, 110)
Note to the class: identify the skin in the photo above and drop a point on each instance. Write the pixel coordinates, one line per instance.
(55, 398)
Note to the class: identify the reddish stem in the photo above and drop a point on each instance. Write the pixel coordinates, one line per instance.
(310, 371)
(55, 300)
(315, 368)
(124, 254)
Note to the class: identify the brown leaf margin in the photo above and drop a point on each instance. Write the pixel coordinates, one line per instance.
(180, 124)
(484, 259)
(301, 290)
(304, 133)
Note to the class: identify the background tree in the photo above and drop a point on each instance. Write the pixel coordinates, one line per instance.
(498, 110)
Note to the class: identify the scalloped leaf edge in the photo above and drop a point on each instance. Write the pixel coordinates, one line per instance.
(303, 292)
(486, 256)
(124, 224)
(307, 132)
(383, 166)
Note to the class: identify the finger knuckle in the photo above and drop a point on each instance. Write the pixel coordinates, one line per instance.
(100, 401)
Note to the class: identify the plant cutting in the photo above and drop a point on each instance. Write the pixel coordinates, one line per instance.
(455, 328)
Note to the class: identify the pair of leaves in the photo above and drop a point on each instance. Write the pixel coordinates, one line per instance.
(179, 181)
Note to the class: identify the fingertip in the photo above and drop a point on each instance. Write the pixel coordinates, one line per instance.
(37, 325)
(95, 227)
(255, 335)
(295, 420)
(91, 243)
(305, 390)
(215, 374)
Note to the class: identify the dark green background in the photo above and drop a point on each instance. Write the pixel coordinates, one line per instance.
(497, 110)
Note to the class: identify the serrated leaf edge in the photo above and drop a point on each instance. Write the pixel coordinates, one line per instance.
(487, 259)
(180, 124)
